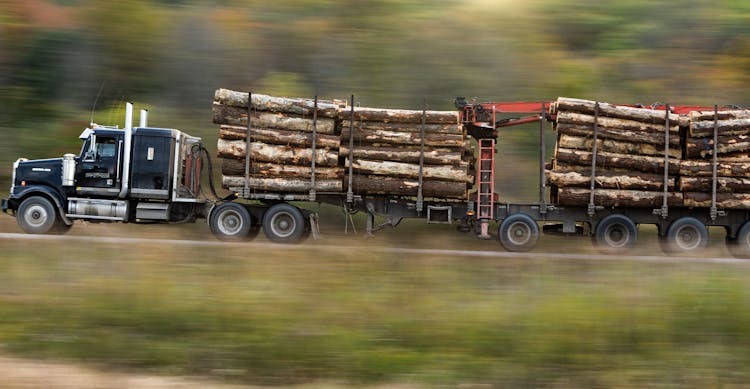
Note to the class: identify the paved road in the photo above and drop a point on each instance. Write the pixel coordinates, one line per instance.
(397, 250)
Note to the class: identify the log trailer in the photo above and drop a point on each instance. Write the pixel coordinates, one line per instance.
(153, 175)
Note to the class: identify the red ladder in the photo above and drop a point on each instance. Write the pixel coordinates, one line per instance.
(486, 184)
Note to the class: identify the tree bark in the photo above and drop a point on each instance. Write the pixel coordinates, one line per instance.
(280, 137)
(372, 185)
(283, 185)
(615, 111)
(406, 154)
(615, 123)
(581, 178)
(429, 128)
(723, 184)
(725, 127)
(615, 160)
(408, 170)
(402, 138)
(400, 115)
(224, 114)
(614, 146)
(704, 147)
(262, 102)
(236, 167)
(617, 198)
(700, 116)
(693, 168)
(723, 200)
(279, 154)
(618, 134)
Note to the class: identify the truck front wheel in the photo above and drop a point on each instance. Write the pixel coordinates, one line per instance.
(37, 215)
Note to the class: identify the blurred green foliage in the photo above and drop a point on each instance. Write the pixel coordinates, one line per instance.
(378, 318)
(56, 55)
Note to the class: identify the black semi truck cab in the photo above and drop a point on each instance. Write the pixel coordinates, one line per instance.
(140, 174)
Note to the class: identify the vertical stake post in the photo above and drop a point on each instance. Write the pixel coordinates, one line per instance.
(314, 152)
(420, 203)
(713, 213)
(247, 143)
(594, 156)
(665, 200)
(349, 191)
(542, 158)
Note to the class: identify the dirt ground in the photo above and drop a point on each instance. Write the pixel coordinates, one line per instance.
(19, 373)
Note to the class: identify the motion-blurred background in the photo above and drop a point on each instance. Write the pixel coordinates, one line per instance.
(170, 55)
(262, 315)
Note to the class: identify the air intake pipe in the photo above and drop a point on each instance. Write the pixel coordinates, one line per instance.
(125, 186)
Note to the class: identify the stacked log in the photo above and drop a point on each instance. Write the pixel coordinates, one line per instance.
(390, 152)
(391, 148)
(280, 147)
(630, 155)
(732, 163)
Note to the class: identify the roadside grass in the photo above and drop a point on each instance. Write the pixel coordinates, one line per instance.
(281, 317)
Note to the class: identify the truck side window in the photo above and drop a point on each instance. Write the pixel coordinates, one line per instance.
(106, 146)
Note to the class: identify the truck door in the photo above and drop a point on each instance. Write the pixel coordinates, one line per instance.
(99, 167)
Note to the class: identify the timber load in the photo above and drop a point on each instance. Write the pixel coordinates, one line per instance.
(621, 152)
(378, 151)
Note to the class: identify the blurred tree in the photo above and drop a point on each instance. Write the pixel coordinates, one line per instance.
(128, 38)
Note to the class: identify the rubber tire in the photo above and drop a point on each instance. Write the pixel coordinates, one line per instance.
(231, 222)
(60, 227)
(37, 215)
(740, 247)
(626, 230)
(284, 223)
(518, 232)
(675, 238)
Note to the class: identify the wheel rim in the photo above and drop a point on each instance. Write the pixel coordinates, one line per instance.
(230, 222)
(617, 236)
(519, 233)
(283, 224)
(36, 215)
(687, 238)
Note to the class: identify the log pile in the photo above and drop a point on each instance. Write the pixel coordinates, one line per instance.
(630, 155)
(390, 148)
(732, 162)
(280, 143)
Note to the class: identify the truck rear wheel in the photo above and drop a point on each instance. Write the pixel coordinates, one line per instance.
(37, 215)
(284, 223)
(615, 232)
(686, 234)
(518, 232)
(740, 247)
(232, 222)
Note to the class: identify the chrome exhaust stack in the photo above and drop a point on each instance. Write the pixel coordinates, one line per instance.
(144, 118)
(126, 150)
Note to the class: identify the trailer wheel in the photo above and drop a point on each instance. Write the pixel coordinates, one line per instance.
(740, 247)
(37, 215)
(284, 223)
(685, 235)
(231, 222)
(615, 232)
(518, 232)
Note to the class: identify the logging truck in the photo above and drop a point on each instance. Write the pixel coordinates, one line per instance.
(613, 168)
